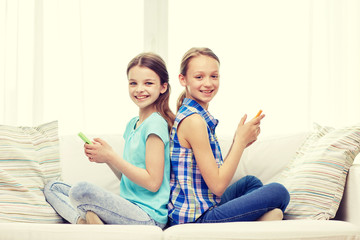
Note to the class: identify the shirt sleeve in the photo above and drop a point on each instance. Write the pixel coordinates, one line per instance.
(159, 127)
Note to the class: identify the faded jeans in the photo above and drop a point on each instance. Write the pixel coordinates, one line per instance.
(247, 200)
(72, 202)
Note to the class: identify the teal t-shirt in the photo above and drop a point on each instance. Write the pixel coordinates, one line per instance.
(154, 204)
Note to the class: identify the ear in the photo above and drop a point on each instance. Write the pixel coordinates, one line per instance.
(182, 80)
(164, 87)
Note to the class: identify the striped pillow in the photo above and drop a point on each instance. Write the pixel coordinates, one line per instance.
(29, 158)
(316, 176)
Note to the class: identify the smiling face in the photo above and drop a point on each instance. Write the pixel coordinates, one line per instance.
(145, 87)
(201, 80)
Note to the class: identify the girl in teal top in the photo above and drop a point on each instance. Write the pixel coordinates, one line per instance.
(152, 202)
(144, 169)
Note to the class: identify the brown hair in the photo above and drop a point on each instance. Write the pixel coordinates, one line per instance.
(157, 64)
(192, 52)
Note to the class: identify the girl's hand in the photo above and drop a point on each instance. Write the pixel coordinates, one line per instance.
(99, 152)
(247, 133)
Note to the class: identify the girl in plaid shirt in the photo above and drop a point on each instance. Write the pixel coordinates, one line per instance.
(199, 176)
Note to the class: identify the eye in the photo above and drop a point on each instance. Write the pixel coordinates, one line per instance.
(132, 83)
(199, 77)
(215, 76)
(149, 83)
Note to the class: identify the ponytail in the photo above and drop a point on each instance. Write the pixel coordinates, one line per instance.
(162, 106)
(180, 100)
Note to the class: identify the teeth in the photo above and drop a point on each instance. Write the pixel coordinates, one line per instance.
(207, 91)
(141, 97)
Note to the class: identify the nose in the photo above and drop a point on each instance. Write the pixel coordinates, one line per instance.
(140, 88)
(207, 81)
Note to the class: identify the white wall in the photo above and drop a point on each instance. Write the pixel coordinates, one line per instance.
(263, 50)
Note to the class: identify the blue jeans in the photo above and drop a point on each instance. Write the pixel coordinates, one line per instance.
(73, 202)
(247, 200)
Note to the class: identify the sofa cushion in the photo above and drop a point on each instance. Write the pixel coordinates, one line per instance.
(268, 156)
(29, 158)
(316, 175)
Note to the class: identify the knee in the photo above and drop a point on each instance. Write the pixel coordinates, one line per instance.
(253, 181)
(281, 192)
(80, 191)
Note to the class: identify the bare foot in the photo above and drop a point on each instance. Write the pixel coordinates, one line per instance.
(273, 215)
(81, 221)
(92, 218)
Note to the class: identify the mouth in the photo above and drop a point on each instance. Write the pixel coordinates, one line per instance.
(207, 91)
(141, 97)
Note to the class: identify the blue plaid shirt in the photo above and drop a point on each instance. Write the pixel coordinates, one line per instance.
(190, 197)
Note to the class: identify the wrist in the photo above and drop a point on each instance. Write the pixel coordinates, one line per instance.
(111, 157)
(239, 142)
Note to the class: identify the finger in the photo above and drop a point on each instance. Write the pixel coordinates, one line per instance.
(87, 151)
(88, 146)
(99, 140)
(258, 119)
(93, 146)
(243, 119)
(90, 153)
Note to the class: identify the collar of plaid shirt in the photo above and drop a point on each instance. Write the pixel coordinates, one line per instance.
(210, 120)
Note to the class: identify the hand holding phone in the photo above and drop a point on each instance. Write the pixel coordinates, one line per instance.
(84, 138)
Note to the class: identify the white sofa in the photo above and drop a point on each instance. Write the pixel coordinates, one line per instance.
(264, 159)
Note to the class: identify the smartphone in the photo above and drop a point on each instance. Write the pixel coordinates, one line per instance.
(258, 114)
(84, 138)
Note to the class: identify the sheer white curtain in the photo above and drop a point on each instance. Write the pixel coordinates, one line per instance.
(334, 62)
(87, 46)
(17, 53)
(66, 60)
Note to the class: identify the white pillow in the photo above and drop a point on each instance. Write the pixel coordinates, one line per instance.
(316, 176)
(268, 157)
(29, 158)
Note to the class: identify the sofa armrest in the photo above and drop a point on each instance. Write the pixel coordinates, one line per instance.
(349, 209)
